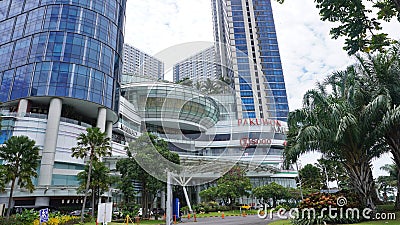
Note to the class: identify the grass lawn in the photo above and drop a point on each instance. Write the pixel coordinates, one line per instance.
(280, 222)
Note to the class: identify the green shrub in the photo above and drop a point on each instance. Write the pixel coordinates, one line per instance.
(27, 216)
(284, 206)
(223, 208)
(322, 201)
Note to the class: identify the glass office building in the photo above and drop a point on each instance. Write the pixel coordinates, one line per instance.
(247, 43)
(60, 68)
(61, 48)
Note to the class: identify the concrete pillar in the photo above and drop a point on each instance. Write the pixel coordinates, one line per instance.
(155, 203)
(101, 119)
(23, 106)
(162, 197)
(50, 145)
(42, 201)
(109, 126)
(198, 198)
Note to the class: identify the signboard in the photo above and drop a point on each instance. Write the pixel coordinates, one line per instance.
(177, 208)
(2, 208)
(276, 125)
(104, 213)
(43, 215)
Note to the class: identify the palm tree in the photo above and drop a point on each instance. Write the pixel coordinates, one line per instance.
(92, 145)
(21, 158)
(341, 125)
(382, 74)
(211, 87)
(100, 180)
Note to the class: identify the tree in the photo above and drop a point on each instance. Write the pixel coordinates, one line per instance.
(142, 150)
(358, 22)
(232, 185)
(92, 145)
(381, 74)
(272, 190)
(211, 86)
(341, 125)
(311, 177)
(334, 172)
(100, 181)
(21, 159)
(209, 194)
(3, 178)
(386, 182)
(185, 81)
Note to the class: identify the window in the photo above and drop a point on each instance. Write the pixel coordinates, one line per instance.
(22, 82)
(20, 52)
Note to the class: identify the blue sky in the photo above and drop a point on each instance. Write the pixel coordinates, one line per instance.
(308, 53)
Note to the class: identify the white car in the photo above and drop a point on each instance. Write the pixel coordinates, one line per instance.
(140, 212)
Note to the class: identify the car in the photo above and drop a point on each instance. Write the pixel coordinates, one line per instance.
(78, 212)
(141, 214)
(158, 211)
(117, 214)
(244, 206)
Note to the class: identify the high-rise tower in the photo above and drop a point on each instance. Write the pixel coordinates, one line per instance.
(60, 66)
(201, 65)
(139, 63)
(246, 42)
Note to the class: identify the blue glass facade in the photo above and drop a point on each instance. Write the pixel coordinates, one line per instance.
(66, 48)
(271, 65)
(250, 32)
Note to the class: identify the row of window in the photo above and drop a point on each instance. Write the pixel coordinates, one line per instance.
(57, 79)
(112, 9)
(59, 46)
(63, 18)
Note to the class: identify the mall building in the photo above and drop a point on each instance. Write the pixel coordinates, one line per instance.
(60, 72)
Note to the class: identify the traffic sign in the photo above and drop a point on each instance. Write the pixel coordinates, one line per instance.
(44, 215)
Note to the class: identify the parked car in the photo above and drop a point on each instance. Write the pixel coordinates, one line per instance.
(244, 206)
(78, 212)
(117, 214)
(141, 214)
(158, 211)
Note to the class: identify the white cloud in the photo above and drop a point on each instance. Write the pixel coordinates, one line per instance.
(308, 53)
(155, 25)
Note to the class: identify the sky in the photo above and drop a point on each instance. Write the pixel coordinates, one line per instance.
(308, 53)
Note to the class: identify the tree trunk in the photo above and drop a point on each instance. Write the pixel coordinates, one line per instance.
(93, 201)
(361, 179)
(144, 200)
(86, 191)
(393, 140)
(10, 199)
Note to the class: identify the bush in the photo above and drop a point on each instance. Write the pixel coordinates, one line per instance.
(12, 220)
(223, 208)
(284, 206)
(319, 201)
(27, 216)
(59, 220)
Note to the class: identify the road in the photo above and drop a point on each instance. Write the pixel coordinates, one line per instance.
(229, 220)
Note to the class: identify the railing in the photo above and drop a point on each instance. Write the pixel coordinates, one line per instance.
(31, 115)
(43, 116)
